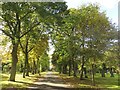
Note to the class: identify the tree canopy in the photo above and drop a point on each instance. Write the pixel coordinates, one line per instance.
(84, 39)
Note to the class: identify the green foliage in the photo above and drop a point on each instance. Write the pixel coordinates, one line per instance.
(85, 34)
(81, 37)
(44, 62)
(22, 23)
(104, 83)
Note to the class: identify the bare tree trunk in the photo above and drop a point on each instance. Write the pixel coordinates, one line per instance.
(70, 67)
(60, 68)
(38, 66)
(24, 71)
(111, 72)
(14, 62)
(65, 69)
(27, 65)
(103, 70)
(74, 68)
(82, 66)
(93, 77)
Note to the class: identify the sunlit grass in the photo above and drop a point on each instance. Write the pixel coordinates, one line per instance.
(20, 82)
(101, 82)
(107, 82)
(76, 82)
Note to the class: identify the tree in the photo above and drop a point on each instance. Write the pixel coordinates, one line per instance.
(95, 28)
(39, 51)
(29, 42)
(44, 62)
(13, 15)
(87, 33)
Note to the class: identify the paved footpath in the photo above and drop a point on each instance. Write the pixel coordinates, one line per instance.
(50, 81)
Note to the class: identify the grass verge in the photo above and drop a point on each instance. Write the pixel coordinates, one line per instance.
(104, 83)
(20, 82)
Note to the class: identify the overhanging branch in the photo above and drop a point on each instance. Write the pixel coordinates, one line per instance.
(25, 15)
(29, 29)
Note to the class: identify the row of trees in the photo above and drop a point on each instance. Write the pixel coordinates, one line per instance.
(84, 39)
(27, 25)
(87, 39)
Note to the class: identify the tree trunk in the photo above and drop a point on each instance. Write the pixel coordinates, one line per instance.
(103, 73)
(3, 67)
(81, 72)
(14, 62)
(60, 68)
(70, 67)
(65, 69)
(103, 69)
(24, 71)
(33, 70)
(21, 70)
(27, 66)
(38, 66)
(93, 77)
(85, 72)
(74, 68)
(111, 72)
(34, 67)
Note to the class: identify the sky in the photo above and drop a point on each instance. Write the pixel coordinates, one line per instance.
(110, 6)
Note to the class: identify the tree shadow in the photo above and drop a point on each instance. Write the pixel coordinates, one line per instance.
(51, 80)
(33, 86)
(48, 87)
(42, 83)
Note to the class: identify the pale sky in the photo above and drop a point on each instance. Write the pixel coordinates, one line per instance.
(110, 6)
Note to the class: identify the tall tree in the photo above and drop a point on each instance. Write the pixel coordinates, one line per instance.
(13, 15)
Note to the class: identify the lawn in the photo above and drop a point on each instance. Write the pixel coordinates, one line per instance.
(107, 82)
(104, 83)
(20, 81)
(101, 82)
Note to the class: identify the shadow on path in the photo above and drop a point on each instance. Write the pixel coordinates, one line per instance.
(50, 81)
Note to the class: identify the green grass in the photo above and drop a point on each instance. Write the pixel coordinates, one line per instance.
(20, 82)
(107, 82)
(101, 82)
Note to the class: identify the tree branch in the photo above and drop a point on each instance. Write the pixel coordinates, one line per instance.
(25, 15)
(18, 24)
(7, 33)
(30, 29)
(22, 47)
(9, 25)
(30, 49)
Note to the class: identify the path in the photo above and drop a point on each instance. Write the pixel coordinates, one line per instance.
(50, 81)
